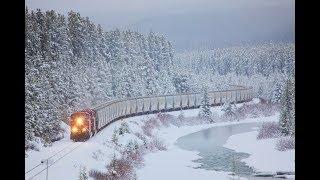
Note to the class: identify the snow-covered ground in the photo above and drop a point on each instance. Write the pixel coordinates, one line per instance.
(175, 162)
(264, 156)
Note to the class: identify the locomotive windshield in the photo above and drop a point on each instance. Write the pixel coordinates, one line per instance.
(81, 124)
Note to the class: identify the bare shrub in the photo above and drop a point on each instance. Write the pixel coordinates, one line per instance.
(269, 130)
(119, 169)
(256, 110)
(122, 168)
(97, 175)
(156, 144)
(164, 119)
(149, 125)
(140, 136)
(178, 121)
(134, 157)
(285, 143)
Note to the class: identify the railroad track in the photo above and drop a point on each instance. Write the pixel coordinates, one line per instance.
(46, 163)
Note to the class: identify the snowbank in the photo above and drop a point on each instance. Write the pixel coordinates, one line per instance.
(264, 155)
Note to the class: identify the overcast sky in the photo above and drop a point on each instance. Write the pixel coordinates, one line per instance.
(112, 13)
(188, 23)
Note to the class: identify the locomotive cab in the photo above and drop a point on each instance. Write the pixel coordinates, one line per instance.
(82, 125)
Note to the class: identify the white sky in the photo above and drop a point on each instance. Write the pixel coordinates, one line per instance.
(114, 13)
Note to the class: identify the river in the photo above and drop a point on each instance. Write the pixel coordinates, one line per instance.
(209, 143)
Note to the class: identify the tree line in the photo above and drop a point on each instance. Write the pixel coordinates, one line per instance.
(71, 63)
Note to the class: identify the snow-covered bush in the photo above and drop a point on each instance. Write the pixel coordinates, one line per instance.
(164, 119)
(149, 125)
(83, 174)
(229, 110)
(262, 108)
(285, 143)
(269, 130)
(181, 116)
(97, 175)
(31, 145)
(124, 128)
(132, 146)
(156, 145)
(143, 138)
(117, 169)
(133, 153)
(114, 137)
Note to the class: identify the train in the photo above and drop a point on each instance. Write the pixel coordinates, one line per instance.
(86, 123)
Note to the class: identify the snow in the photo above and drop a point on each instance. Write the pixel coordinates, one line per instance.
(254, 101)
(175, 162)
(264, 156)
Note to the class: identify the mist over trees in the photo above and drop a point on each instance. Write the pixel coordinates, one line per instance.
(72, 63)
(265, 67)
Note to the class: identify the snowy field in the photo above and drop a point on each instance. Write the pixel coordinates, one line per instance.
(69, 156)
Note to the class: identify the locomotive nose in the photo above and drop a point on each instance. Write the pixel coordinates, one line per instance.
(74, 130)
(79, 121)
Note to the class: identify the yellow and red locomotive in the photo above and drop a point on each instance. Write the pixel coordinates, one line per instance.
(82, 125)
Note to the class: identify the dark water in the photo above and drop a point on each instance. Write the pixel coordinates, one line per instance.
(214, 156)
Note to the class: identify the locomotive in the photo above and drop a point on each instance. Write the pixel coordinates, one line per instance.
(82, 125)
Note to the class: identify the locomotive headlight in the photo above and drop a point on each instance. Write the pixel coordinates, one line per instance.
(79, 121)
(74, 129)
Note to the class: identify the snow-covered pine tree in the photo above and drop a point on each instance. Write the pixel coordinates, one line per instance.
(293, 102)
(276, 93)
(181, 116)
(205, 111)
(124, 128)
(286, 120)
(229, 110)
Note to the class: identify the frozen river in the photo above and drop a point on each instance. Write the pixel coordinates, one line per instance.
(209, 143)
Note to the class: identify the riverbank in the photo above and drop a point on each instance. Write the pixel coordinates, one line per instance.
(264, 156)
(177, 163)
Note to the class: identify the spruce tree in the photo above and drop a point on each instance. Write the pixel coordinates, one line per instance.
(205, 105)
(229, 110)
(286, 121)
(181, 116)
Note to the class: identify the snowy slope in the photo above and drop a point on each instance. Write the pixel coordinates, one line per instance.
(97, 152)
